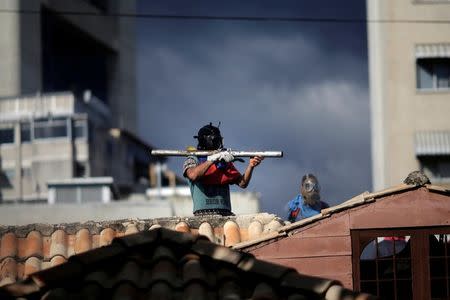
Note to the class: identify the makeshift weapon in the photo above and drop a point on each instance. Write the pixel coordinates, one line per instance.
(206, 153)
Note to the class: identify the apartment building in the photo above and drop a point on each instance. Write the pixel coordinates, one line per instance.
(68, 104)
(74, 45)
(58, 136)
(409, 65)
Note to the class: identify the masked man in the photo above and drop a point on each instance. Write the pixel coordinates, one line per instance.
(210, 177)
(308, 203)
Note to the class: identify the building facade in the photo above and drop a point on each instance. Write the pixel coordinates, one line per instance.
(51, 46)
(409, 65)
(59, 136)
(68, 96)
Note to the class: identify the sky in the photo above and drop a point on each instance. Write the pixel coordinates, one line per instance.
(296, 87)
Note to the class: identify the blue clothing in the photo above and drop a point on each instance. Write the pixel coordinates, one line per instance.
(298, 209)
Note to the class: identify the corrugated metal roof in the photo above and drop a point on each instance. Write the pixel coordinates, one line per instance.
(432, 143)
(432, 50)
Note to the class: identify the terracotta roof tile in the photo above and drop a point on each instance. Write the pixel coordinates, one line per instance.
(222, 254)
(154, 226)
(264, 291)
(193, 270)
(51, 245)
(164, 253)
(182, 227)
(231, 233)
(83, 241)
(106, 236)
(57, 260)
(8, 271)
(32, 264)
(164, 264)
(99, 278)
(8, 245)
(130, 271)
(125, 291)
(131, 228)
(34, 244)
(163, 270)
(255, 229)
(206, 229)
(230, 289)
(90, 292)
(160, 290)
(58, 246)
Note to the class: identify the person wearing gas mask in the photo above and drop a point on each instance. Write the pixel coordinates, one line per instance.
(210, 177)
(307, 203)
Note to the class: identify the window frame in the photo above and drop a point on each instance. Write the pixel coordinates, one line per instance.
(10, 174)
(434, 166)
(9, 127)
(433, 62)
(420, 268)
(23, 127)
(47, 122)
(83, 124)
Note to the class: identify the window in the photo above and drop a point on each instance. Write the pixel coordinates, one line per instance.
(385, 268)
(80, 169)
(26, 172)
(433, 74)
(25, 132)
(78, 194)
(437, 167)
(10, 175)
(67, 195)
(398, 264)
(439, 266)
(80, 128)
(50, 128)
(6, 135)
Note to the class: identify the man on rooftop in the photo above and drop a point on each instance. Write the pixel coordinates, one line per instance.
(210, 177)
(307, 203)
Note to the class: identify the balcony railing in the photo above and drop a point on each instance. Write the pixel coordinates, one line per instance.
(54, 104)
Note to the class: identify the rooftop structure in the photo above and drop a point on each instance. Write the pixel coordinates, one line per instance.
(393, 243)
(164, 264)
(32, 247)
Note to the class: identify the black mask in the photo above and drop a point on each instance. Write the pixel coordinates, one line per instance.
(209, 138)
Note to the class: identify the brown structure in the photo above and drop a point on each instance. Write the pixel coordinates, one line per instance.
(165, 264)
(394, 243)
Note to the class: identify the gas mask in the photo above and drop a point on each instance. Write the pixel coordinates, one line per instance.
(209, 138)
(310, 190)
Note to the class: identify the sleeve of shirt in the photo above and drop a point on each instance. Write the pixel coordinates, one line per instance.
(293, 209)
(233, 173)
(293, 204)
(190, 162)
